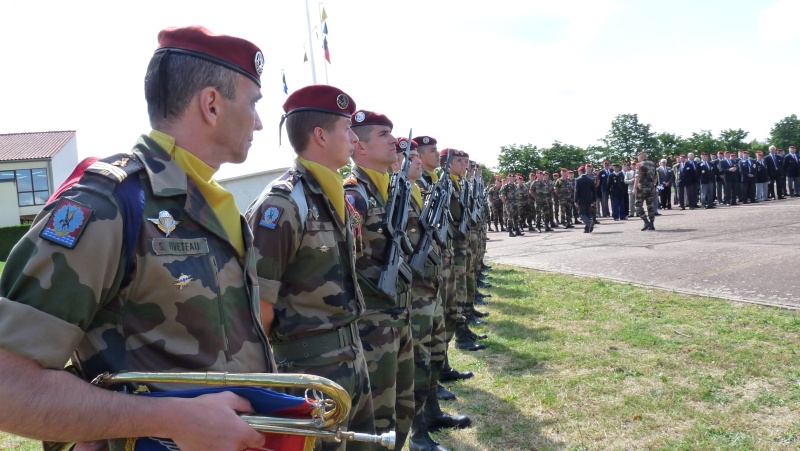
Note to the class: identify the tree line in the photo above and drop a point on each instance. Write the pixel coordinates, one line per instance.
(628, 136)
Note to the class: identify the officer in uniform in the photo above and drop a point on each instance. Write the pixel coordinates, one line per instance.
(644, 188)
(529, 217)
(306, 265)
(143, 263)
(508, 195)
(565, 190)
(497, 205)
(523, 200)
(555, 199)
(384, 327)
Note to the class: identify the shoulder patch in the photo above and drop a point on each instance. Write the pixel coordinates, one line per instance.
(116, 167)
(351, 180)
(67, 222)
(270, 217)
(286, 182)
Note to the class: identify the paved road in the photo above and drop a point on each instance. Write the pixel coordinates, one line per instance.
(747, 253)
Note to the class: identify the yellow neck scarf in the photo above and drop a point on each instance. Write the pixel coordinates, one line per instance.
(456, 181)
(434, 177)
(416, 194)
(380, 180)
(331, 183)
(221, 201)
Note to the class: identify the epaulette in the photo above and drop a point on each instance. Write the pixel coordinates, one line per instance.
(286, 182)
(351, 180)
(116, 167)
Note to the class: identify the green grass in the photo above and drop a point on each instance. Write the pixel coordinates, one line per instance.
(587, 364)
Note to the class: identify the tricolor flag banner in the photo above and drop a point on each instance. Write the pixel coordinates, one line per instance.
(325, 28)
(285, 87)
(264, 402)
(327, 52)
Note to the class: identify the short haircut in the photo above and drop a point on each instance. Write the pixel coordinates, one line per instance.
(184, 76)
(363, 132)
(300, 126)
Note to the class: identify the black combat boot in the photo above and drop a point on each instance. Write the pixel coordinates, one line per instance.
(511, 233)
(520, 232)
(646, 225)
(448, 373)
(482, 284)
(436, 419)
(485, 267)
(478, 294)
(502, 228)
(444, 394)
(420, 439)
(463, 341)
(652, 226)
(472, 319)
(479, 313)
(475, 337)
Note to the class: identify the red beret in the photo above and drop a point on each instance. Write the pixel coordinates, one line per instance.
(682, 156)
(322, 98)
(721, 152)
(364, 117)
(510, 175)
(455, 152)
(234, 53)
(606, 162)
(744, 151)
(425, 140)
(581, 168)
(402, 143)
(555, 174)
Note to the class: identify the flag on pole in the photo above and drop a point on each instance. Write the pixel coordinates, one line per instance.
(324, 15)
(325, 28)
(285, 87)
(305, 56)
(327, 52)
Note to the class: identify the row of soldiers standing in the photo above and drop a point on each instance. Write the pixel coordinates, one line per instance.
(540, 202)
(369, 292)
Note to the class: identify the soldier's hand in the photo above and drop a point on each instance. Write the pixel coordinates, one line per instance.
(211, 422)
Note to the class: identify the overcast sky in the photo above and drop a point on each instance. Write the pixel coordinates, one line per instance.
(475, 76)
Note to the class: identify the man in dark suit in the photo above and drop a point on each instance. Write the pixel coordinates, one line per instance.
(719, 178)
(774, 164)
(706, 177)
(748, 178)
(666, 178)
(604, 178)
(584, 198)
(728, 171)
(686, 182)
(791, 166)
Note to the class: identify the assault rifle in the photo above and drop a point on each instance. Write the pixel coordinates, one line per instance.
(465, 200)
(394, 227)
(478, 197)
(434, 223)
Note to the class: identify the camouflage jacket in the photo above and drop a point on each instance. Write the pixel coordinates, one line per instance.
(522, 195)
(414, 232)
(494, 194)
(182, 300)
(456, 211)
(647, 174)
(367, 201)
(509, 191)
(305, 257)
(565, 190)
(541, 191)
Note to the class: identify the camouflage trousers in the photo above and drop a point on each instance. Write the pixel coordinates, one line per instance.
(566, 211)
(555, 203)
(389, 351)
(461, 255)
(447, 294)
(427, 330)
(645, 196)
(497, 213)
(348, 368)
(544, 212)
(471, 276)
(511, 213)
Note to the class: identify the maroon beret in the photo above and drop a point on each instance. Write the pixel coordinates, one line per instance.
(455, 152)
(425, 140)
(234, 53)
(683, 156)
(402, 143)
(581, 168)
(322, 98)
(606, 162)
(364, 117)
(555, 174)
(721, 152)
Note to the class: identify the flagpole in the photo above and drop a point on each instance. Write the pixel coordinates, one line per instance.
(311, 47)
(319, 14)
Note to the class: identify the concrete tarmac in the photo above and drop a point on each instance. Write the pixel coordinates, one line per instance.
(747, 253)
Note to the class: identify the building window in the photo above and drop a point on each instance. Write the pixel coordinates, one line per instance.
(32, 185)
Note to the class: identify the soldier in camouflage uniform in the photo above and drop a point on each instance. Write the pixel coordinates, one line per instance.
(541, 193)
(566, 191)
(529, 217)
(644, 188)
(384, 327)
(305, 255)
(575, 214)
(493, 195)
(523, 202)
(508, 194)
(555, 199)
(141, 262)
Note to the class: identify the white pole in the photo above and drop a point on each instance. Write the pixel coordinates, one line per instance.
(311, 47)
(319, 13)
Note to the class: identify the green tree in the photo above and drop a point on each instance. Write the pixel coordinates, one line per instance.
(732, 139)
(595, 154)
(702, 142)
(627, 137)
(669, 146)
(561, 155)
(758, 145)
(785, 133)
(345, 170)
(518, 158)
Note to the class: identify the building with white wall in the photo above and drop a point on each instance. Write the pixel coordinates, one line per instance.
(35, 164)
(247, 187)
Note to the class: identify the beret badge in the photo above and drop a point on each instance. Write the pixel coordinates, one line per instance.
(426, 140)
(360, 116)
(342, 101)
(403, 144)
(258, 61)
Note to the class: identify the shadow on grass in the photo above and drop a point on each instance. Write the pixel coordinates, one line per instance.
(497, 424)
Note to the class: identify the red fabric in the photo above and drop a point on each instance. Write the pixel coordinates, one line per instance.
(324, 98)
(73, 178)
(425, 140)
(232, 50)
(364, 117)
(400, 148)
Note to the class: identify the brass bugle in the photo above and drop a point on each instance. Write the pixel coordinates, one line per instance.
(334, 411)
